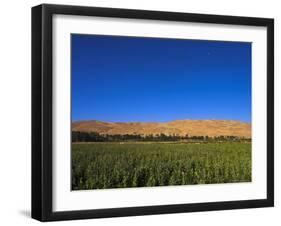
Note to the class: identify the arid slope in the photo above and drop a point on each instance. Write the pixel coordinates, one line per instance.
(178, 127)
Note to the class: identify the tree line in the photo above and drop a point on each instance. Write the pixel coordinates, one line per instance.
(96, 137)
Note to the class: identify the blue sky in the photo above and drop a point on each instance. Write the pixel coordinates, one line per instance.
(129, 79)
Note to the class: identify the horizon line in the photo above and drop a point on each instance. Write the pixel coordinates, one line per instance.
(88, 120)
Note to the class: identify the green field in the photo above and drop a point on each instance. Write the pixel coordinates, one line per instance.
(121, 165)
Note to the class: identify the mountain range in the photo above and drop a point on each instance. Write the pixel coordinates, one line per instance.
(178, 127)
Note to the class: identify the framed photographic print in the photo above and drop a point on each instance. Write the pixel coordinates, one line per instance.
(146, 112)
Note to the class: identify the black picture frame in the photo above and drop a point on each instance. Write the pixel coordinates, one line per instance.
(42, 111)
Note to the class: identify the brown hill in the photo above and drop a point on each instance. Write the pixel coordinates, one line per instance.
(179, 127)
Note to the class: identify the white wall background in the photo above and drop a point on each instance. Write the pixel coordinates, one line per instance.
(15, 111)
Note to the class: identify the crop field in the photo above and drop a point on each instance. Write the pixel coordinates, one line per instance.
(147, 164)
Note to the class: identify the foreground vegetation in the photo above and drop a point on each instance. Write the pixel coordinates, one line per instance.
(139, 164)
